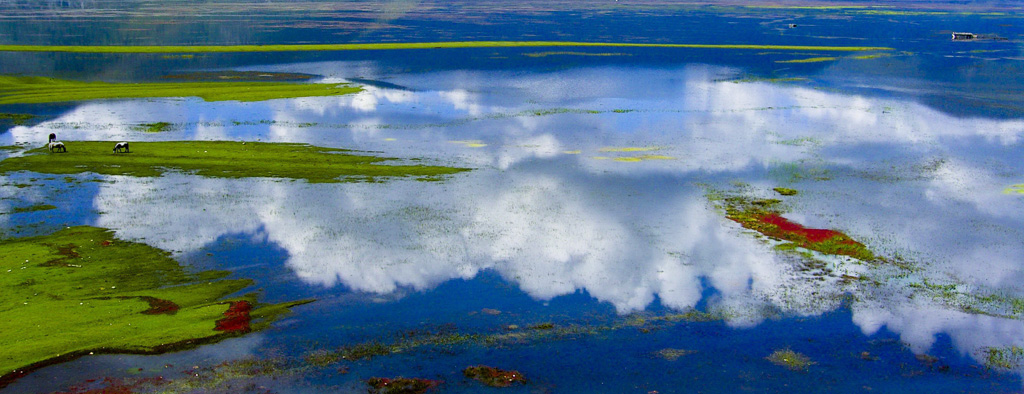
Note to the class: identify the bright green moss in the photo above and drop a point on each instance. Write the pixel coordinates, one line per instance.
(404, 45)
(220, 159)
(36, 90)
(80, 291)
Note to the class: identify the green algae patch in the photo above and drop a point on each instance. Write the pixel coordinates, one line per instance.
(406, 45)
(546, 54)
(470, 143)
(218, 159)
(81, 291)
(785, 191)
(39, 90)
(493, 377)
(788, 358)
(808, 60)
(1014, 189)
(34, 208)
(674, 354)
(155, 127)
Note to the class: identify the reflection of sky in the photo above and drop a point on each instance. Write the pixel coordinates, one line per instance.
(545, 211)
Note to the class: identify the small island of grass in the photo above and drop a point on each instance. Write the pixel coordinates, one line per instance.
(220, 159)
(81, 291)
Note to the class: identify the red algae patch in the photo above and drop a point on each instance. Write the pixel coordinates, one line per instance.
(114, 386)
(765, 217)
(493, 377)
(401, 385)
(236, 318)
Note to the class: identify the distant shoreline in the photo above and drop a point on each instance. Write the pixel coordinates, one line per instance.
(404, 45)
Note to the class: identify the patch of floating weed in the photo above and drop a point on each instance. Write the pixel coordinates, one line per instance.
(34, 208)
(156, 127)
(809, 60)
(872, 56)
(785, 191)
(752, 79)
(38, 90)
(81, 291)
(401, 385)
(405, 45)
(493, 377)
(674, 354)
(792, 360)
(1004, 358)
(219, 159)
(470, 143)
(572, 152)
(1014, 189)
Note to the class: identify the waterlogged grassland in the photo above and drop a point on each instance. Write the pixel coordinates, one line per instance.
(39, 90)
(220, 159)
(81, 291)
(407, 45)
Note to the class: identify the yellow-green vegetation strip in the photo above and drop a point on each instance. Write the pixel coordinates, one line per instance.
(219, 159)
(406, 45)
(808, 60)
(38, 90)
(155, 127)
(1005, 358)
(1014, 189)
(80, 290)
(34, 208)
(17, 119)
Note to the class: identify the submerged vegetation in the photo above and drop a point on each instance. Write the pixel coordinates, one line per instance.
(81, 291)
(16, 119)
(156, 127)
(219, 159)
(493, 377)
(790, 359)
(38, 90)
(405, 45)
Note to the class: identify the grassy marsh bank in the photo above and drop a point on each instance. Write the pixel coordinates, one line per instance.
(219, 159)
(81, 291)
(39, 90)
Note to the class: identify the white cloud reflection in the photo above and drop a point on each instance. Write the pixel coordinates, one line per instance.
(556, 223)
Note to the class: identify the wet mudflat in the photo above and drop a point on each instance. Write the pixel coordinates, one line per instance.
(761, 213)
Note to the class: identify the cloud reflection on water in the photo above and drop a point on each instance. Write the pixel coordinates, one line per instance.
(625, 233)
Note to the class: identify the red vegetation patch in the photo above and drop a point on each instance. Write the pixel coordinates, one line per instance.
(158, 306)
(492, 376)
(236, 318)
(821, 240)
(106, 243)
(794, 232)
(401, 385)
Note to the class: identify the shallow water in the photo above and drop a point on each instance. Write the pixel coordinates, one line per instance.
(591, 205)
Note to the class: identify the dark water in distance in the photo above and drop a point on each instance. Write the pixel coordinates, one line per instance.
(915, 152)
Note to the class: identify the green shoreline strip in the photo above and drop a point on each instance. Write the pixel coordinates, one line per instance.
(221, 159)
(405, 45)
(39, 90)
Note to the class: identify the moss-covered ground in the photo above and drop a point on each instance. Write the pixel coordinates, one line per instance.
(407, 45)
(81, 291)
(222, 159)
(37, 90)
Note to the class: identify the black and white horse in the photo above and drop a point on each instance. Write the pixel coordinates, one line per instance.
(55, 145)
(121, 146)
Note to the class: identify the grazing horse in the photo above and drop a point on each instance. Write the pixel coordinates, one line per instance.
(57, 146)
(121, 145)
